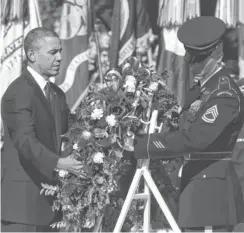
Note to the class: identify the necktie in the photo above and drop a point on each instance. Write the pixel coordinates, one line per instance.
(47, 90)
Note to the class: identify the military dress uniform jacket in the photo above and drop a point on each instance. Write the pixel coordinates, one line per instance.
(211, 120)
(32, 142)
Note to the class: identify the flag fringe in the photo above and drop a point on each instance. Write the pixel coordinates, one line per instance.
(227, 10)
(173, 13)
(14, 10)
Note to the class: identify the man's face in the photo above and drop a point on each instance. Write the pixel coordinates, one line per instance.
(48, 56)
(197, 64)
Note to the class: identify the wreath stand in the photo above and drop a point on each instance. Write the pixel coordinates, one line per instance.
(149, 185)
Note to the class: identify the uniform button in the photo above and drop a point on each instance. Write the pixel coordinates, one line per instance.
(204, 176)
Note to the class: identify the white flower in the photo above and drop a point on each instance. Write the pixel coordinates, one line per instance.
(100, 180)
(130, 79)
(97, 114)
(130, 83)
(119, 154)
(75, 146)
(130, 87)
(153, 86)
(86, 134)
(62, 173)
(104, 40)
(89, 223)
(111, 120)
(98, 157)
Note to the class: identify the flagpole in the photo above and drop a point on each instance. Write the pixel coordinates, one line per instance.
(95, 75)
(115, 38)
(96, 32)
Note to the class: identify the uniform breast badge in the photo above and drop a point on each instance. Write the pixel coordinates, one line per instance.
(192, 111)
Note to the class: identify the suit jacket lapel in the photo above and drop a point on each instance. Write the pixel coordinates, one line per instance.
(38, 92)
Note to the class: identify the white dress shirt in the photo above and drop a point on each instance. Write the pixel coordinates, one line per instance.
(38, 78)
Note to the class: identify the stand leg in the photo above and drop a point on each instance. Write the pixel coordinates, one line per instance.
(147, 210)
(128, 200)
(160, 201)
(98, 225)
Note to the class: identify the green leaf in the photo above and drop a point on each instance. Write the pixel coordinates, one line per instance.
(102, 123)
(82, 143)
(90, 193)
(42, 191)
(68, 189)
(111, 94)
(104, 142)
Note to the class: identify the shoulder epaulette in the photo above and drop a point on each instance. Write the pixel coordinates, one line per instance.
(224, 83)
(224, 88)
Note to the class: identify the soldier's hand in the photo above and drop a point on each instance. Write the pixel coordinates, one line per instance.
(140, 147)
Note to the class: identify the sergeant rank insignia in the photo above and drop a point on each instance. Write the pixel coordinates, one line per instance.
(211, 114)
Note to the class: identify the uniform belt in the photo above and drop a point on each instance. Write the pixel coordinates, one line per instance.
(223, 155)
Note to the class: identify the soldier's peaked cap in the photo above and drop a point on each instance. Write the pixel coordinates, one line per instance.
(202, 34)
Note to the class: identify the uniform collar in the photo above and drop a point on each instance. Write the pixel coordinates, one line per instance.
(203, 82)
(38, 78)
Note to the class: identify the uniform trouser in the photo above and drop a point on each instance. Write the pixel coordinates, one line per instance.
(211, 229)
(18, 227)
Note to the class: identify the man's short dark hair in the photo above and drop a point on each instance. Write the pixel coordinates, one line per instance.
(34, 37)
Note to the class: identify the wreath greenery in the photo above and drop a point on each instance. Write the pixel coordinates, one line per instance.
(103, 123)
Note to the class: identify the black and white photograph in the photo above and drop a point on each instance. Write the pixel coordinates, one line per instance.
(122, 116)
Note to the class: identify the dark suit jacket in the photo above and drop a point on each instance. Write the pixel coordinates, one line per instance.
(32, 130)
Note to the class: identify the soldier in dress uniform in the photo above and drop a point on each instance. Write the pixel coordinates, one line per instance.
(210, 121)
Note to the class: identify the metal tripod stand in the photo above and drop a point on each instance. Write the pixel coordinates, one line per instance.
(149, 185)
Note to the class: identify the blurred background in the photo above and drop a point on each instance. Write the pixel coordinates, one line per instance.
(98, 35)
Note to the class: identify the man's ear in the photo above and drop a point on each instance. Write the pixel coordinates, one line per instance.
(31, 55)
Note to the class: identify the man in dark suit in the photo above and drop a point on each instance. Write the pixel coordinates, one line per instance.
(35, 115)
(210, 121)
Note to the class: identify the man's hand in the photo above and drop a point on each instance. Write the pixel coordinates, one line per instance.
(70, 164)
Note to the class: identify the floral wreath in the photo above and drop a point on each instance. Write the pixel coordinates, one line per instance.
(102, 129)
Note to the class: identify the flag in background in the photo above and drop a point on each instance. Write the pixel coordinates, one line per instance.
(73, 77)
(172, 14)
(241, 37)
(18, 17)
(134, 29)
(171, 58)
